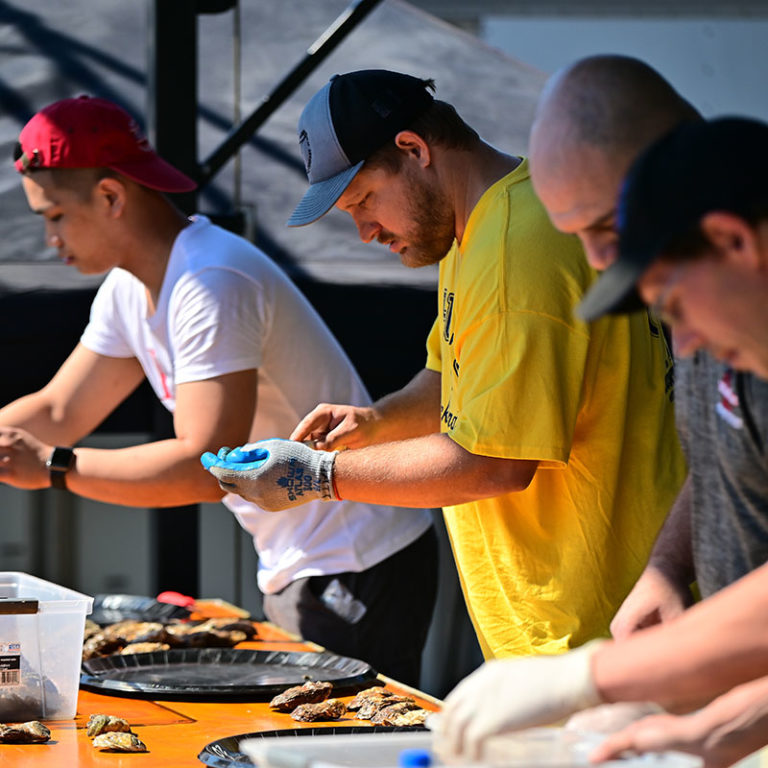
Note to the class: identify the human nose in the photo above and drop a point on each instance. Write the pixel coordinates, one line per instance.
(52, 237)
(368, 230)
(685, 340)
(600, 255)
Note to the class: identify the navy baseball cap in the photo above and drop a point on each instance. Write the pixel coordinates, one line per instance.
(699, 167)
(344, 123)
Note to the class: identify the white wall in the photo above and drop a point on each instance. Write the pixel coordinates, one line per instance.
(718, 64)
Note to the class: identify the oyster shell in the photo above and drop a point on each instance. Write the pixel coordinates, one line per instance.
(309, 693)
(120, 742)
(31, 732)
(105, 724)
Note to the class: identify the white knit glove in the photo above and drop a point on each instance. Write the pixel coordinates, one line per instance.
(274, 474)
(510, 694)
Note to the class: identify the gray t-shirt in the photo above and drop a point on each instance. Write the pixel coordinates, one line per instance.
(722, 418)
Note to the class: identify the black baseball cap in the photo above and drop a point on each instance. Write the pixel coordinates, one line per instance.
(344, 123)
(698, 167)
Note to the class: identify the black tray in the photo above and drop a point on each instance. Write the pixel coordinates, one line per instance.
(109, 609)
(225, 753)
(219, 674)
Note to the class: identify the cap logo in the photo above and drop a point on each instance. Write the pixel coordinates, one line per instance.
(306, 150)
(141, 141)
(32, 161)
(382, 109)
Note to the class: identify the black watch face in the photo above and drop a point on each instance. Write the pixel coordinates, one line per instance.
(61, 460)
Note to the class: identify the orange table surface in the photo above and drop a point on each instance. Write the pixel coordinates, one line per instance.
(174, 732)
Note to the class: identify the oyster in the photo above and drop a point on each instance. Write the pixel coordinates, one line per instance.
(105, 724)
(32, 732)
(229, 624)
(137, 631)
(120, 742)
(91, 628)
(309, 693)
(144, 648)
(389, 715)
(368, 694)
(191, 636)
(332, 709)
(409, 717)
(369, 710)
(101, 644)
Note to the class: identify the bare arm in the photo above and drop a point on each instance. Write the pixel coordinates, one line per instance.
(730, 728)
(83, 392)
(412, 411)
(430, 471)
(210, 413)
(718, 643)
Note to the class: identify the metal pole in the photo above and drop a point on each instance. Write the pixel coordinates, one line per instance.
(172, 130)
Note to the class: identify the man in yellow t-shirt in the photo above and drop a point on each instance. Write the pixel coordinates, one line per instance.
(550, 443)
(545, 568)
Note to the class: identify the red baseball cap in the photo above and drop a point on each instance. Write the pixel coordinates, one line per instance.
(87, 132)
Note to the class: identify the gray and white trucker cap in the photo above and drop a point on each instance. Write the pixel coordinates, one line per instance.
(344, 123)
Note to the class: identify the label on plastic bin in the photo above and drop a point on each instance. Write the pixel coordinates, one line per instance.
(10, 664)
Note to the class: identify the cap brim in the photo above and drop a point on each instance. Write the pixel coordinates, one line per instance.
(322, 196)
(614, 292)
(156, 173)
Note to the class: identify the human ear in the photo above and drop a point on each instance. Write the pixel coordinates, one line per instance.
(414, 146)
(112, 192)
(732, 236)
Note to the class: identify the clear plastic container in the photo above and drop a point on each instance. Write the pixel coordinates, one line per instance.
(41, 645)
(534, 748)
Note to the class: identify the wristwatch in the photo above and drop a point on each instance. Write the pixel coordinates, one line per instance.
(59, 463)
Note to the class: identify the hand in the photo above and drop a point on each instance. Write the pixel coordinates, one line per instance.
(336, 427)
(274, 474)
(725, 731)
(23, 459)
(511, 694)
(654, 599)
(609, 718)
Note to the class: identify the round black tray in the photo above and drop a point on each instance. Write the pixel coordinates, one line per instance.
(225, 753)
(109, 609)
(219, 674)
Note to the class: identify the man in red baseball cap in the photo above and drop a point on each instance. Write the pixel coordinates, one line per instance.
(216, 328)
(87, 132)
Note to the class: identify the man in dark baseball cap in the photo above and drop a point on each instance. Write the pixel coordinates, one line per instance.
(512, 389)
(691, 221)
(344, 123)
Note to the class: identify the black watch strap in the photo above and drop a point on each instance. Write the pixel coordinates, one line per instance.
(59, 463)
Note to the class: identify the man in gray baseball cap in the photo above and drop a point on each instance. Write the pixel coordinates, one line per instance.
(506, 426)
(344, 123)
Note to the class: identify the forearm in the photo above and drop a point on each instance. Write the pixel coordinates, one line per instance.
(37, 414)
(412, 411)
(429, 471)
(160, 474)
(716, 644)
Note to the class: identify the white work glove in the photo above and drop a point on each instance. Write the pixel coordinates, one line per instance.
(510, 694)
(274, 474)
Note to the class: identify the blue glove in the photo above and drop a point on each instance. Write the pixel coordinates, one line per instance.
(274, 474)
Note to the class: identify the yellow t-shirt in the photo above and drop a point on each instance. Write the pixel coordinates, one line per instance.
(545, 569)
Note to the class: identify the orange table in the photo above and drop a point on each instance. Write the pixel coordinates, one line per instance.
(174, 732)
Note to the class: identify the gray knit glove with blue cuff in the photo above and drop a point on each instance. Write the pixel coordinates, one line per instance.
(274, 474)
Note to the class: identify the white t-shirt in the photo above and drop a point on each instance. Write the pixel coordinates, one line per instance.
(225, 307)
